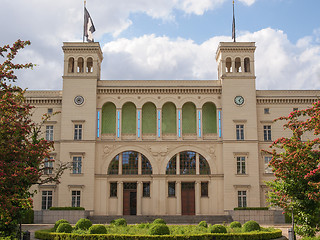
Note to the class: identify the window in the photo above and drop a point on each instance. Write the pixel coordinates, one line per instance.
(145, 165)
(75, 199)
(48, 165)
(114, 166)
(113, 189)
(266, 111)
(203, 165)
(77, 131)
(204, 189)
(242, 198)
(50, 111)
(76, 165)
(241, 165)
(129, 163)
(171, 166)
(146, 189)
(46, 200)
(240, 132)
(187, 163)
(171, 189)
(49, 133)
(267, 132)
(267, 168)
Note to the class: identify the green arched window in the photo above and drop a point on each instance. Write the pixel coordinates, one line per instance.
(128, 118)
(169, 118)
(209, 119)
(109, 118)
(149, 118)
(189, 124)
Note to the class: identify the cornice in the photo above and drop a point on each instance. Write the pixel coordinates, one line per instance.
(286, 100)
(43, 101)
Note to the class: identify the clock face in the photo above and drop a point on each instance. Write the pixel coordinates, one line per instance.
(78, 100)
(239, 100)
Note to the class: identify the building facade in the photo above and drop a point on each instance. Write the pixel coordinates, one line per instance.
(161, 147)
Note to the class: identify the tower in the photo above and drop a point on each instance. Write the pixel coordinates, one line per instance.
(239, 126)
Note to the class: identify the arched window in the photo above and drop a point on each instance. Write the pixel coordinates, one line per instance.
(146, 166)
(228, 65)
(189, 122)
(172, 166)
(80, 66)
(130, 164)
(109, 118)
(89, 65)
(169, 118)
(247, 65)
(209, 120)
(114, 166)
(187, 163)
(129, 118)
(204, 166)
(71, 65)
(149, 118)
(238, 64)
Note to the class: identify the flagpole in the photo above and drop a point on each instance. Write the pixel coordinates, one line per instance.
(84, 9)
(233, 24)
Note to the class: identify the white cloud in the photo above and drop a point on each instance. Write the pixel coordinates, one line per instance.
(248, 2)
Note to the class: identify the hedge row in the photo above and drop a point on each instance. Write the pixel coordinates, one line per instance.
(66, 208)
(251, 208)
(41, 234)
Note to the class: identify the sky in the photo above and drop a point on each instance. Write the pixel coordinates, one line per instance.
(168, 39)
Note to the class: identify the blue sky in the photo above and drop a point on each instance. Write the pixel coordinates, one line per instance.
(169, 39)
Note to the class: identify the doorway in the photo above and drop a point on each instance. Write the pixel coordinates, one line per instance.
(130, 198)
(188, 198)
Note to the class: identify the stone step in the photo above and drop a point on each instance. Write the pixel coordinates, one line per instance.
(210, 219)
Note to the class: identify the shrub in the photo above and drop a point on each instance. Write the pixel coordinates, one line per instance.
(120, 222)
(28, 217)
(217, 228)
(56, 225)
(203, 224)
(97, 229)
(64, 228)
(159, 221)
(251, 226)
(159, 229)
(235, 224)
(83, 224)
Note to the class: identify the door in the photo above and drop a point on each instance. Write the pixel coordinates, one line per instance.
(130, 199)
(188, 198)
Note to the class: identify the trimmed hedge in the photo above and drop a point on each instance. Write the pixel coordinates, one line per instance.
(159, 221)
(98, 229)
(66, 208)
(251, 226)
(203, 224)
(159, 229)
(83, 224)
(64, 228)
(42, 234)
(235, 224)
(251, 208)
(56, 225)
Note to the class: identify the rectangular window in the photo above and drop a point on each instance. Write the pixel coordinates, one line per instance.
(240, 132)
(118, 124)
(49, 133)
(267, 168)
(220, 127)
(159, 123)
(50, 111)
(75, 199)
(266, 111)
(242, 198)
(204, 189)
(113, 189)
(171, 189)
(295, 109)
(267, 132)
(146, 189)
(98, 124)
(48, 165)
(76, 165)
(179, 123)
(46, 202)
(139, 124)
(77, 131)
(241, 165)
(199, 119)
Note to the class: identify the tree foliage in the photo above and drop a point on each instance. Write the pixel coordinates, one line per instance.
(22, 151)
(296, 166)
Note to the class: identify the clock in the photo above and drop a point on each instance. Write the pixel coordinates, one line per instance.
(79, 100)
(239, 100)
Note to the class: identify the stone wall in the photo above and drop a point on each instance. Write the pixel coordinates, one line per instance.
(48, 216)
(260, 216)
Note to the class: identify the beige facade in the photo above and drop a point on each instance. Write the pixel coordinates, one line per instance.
(162, 147)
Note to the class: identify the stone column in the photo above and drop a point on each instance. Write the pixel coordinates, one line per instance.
(197, 164)
(139, 198)
(120, 198)
(198, 197)
(178, 196)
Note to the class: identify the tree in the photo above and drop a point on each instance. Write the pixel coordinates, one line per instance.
(22, 151)
(296, 166)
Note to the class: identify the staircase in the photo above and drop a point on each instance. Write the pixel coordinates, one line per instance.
(210, 219)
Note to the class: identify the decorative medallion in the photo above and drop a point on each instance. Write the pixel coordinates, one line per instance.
(79, 100)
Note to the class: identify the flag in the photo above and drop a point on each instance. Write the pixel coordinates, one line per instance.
(88, 26)
(233, 26)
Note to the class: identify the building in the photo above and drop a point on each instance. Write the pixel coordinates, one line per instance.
(162, 147)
